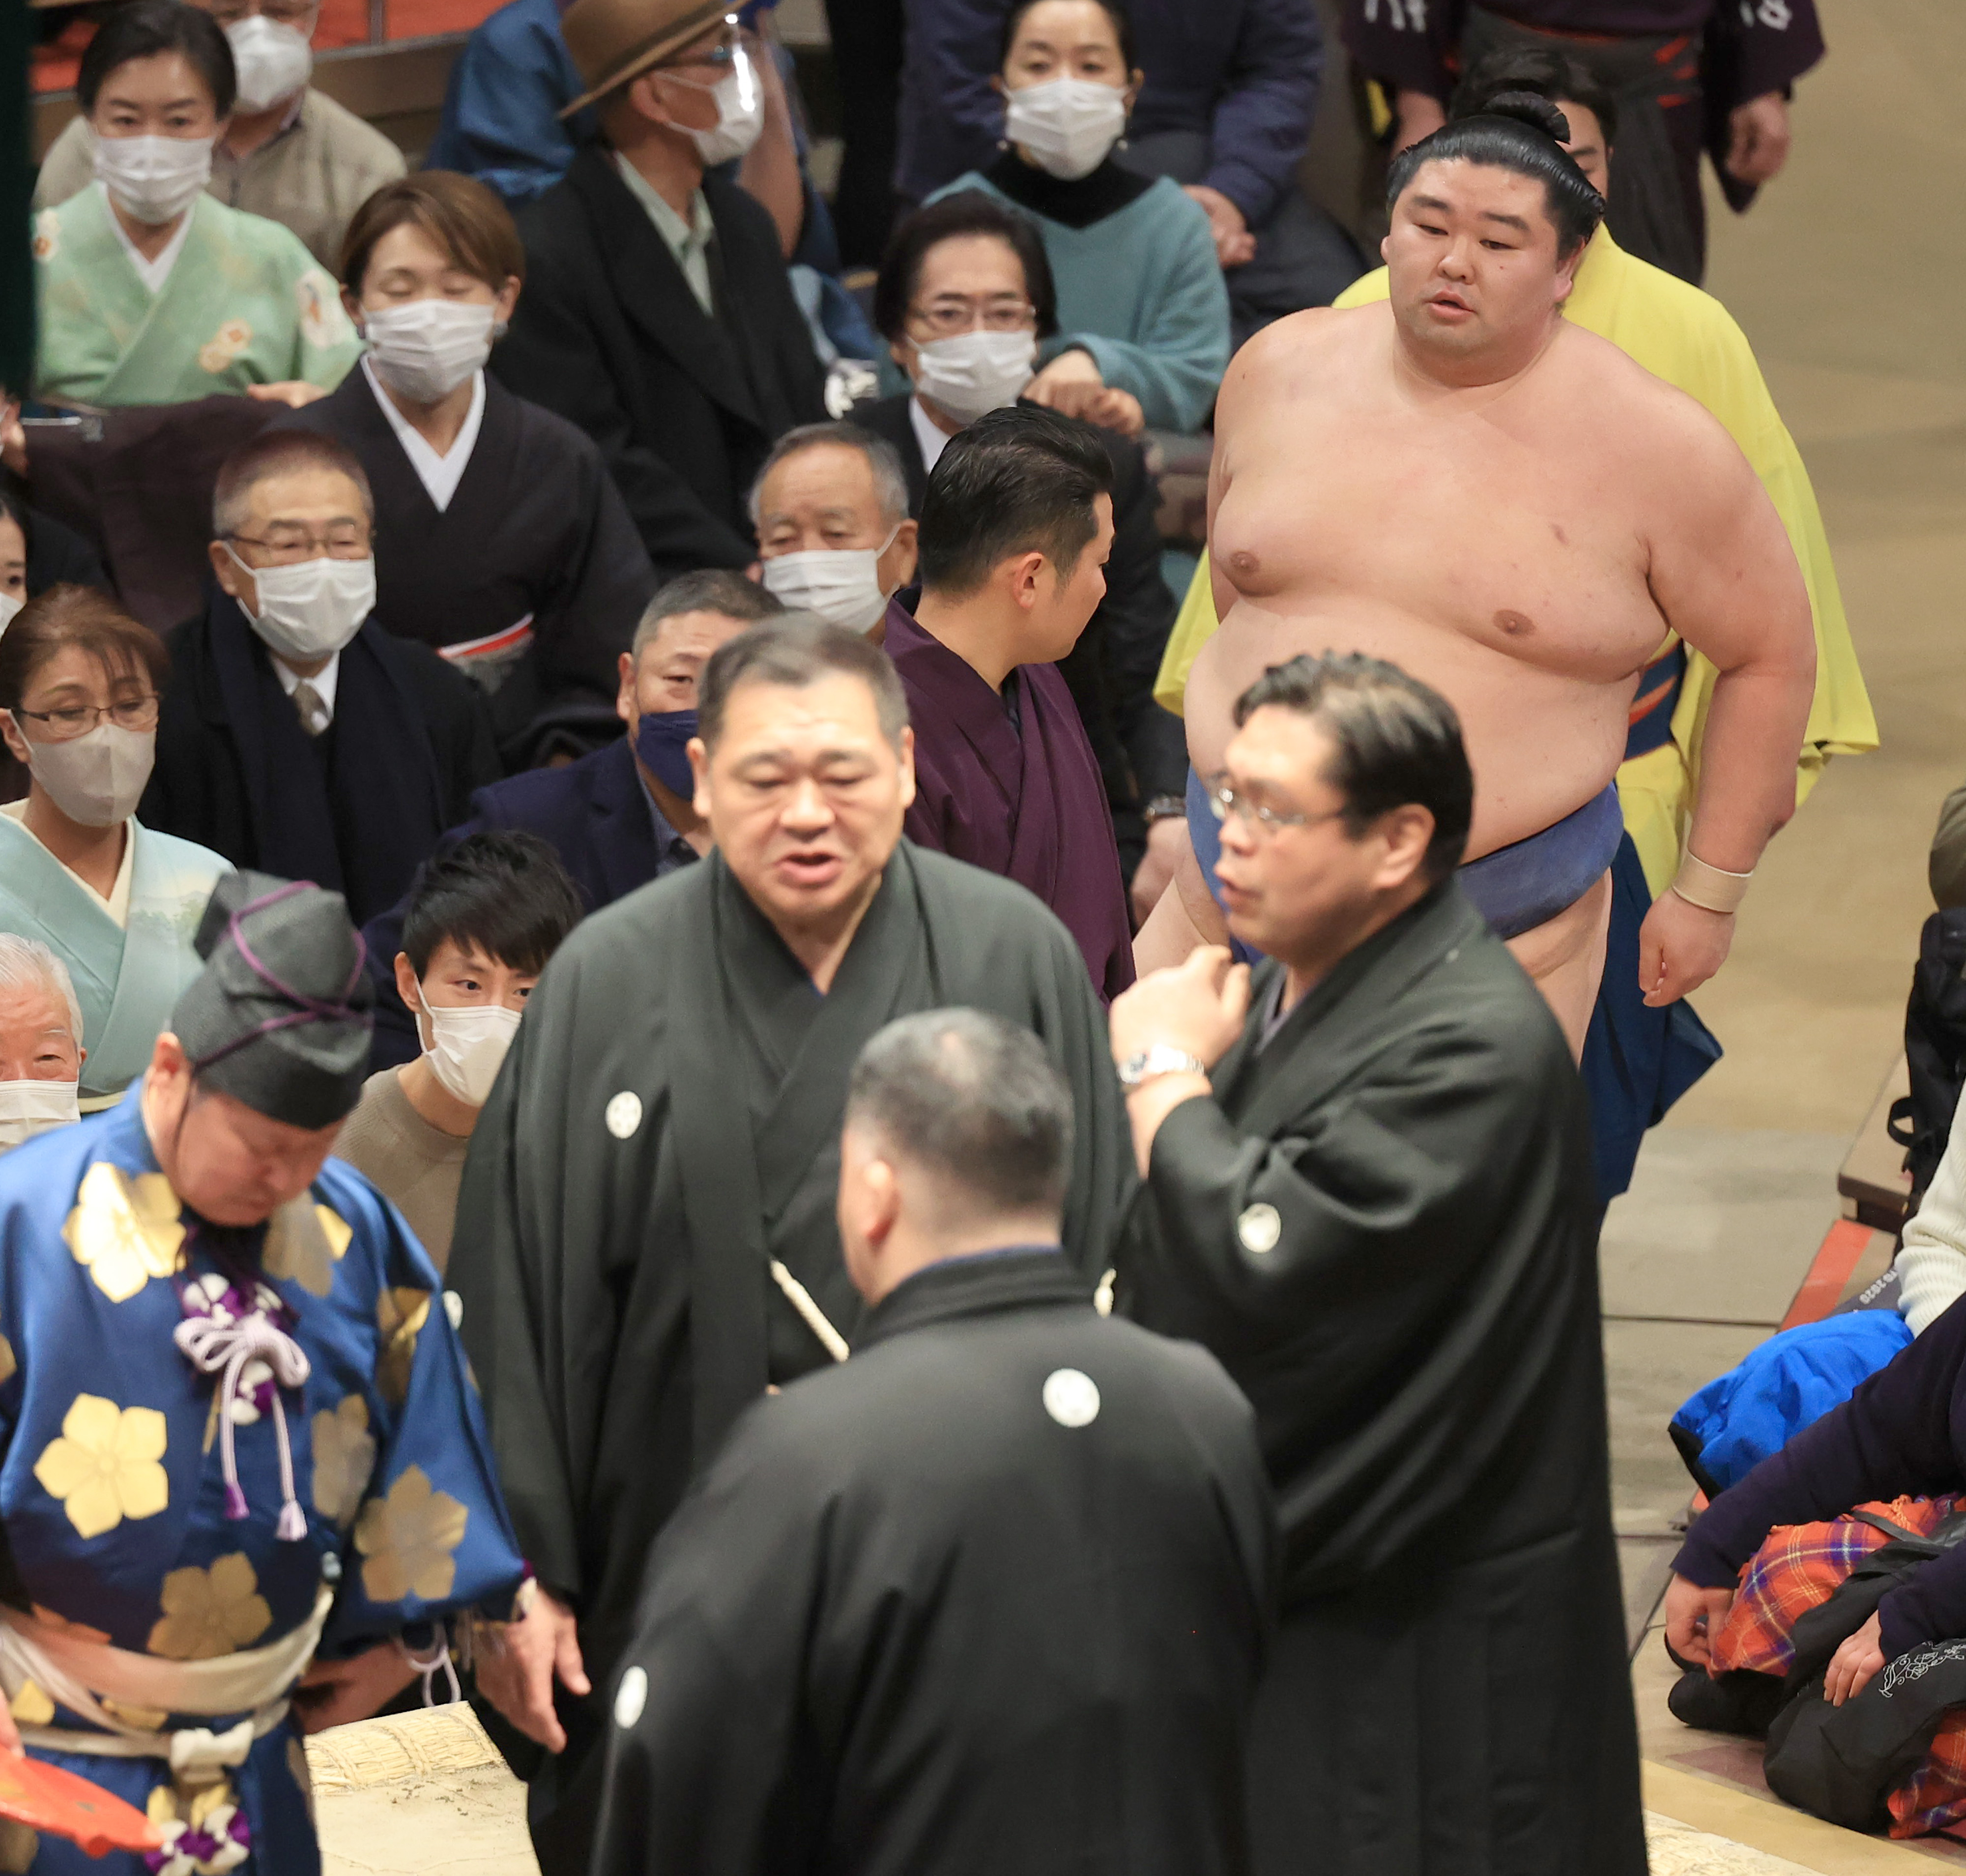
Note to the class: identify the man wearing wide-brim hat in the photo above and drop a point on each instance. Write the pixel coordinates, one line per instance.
(657, 313)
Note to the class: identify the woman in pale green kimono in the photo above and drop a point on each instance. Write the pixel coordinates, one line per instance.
(151, 291)
(117, 903)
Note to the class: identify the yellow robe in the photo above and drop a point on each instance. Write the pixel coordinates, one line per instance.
(1689, 339)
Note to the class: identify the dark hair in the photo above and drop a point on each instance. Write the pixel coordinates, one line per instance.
(1123, 27)
(90, 621)
(504, 891)
(279, 452)
(708, 589)
(1014, 481)
(974, 1100)
(798, 651)
(141, 29)
(1517, 131)
(1396, 743)
(471, 226)
(968, 212)
(1543, 73)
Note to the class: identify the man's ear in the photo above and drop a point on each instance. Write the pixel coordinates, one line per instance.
(407, 986)
(1024, 578)
(225, 570)
(907, 769)
(699, 767)
(1408, 832)
(624, 695)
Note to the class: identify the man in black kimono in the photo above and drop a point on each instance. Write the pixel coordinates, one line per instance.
(658, 314)
(645, 1236)
(298, 737)
(919, 1617)
(1368, 1189)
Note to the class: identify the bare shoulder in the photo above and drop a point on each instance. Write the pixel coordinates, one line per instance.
(1658, 429)
(1306, 344)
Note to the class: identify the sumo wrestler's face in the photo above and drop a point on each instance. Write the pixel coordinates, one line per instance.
(1471, 259)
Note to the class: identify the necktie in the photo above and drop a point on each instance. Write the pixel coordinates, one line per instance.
(314, 712)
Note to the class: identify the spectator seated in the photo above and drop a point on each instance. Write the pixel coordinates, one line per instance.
(41, 1053)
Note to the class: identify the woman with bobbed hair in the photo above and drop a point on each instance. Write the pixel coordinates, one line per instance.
(151, 291)
(500, 539)
(118, 902)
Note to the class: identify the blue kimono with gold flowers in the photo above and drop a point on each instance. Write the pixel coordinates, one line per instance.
(118, 1518)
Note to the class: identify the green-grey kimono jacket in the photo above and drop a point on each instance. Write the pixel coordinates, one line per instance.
(127, 978)
(244, 304)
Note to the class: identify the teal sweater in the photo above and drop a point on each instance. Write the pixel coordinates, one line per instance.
(1140, 288)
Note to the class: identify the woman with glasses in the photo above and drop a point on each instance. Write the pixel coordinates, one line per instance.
(1141, 298)
(151, 291)
(289, 153)
(118, 902)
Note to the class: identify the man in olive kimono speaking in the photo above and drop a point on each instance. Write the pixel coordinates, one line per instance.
(1367, 1189)
(645, 1235)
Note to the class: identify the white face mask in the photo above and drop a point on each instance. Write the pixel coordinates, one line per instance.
(467, 1046)
(842, 584)
(96, 780)
(154, 178)
(1067, 125)
(10, 607)
(975, 372)
(30, 1107)
(311, 608)
(740, 112)
(272, 61)
(425, 349)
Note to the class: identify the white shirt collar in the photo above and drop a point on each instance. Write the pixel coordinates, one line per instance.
(153, 273)
(930, 438)
(323, 680)
(440, 474)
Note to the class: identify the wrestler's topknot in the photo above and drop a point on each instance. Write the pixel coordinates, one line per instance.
(1519, 131)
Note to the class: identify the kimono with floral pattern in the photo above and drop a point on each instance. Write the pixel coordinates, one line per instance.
(113, 1498)
(244, 304)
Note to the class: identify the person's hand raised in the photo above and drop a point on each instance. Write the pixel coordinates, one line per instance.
(1198, 1007)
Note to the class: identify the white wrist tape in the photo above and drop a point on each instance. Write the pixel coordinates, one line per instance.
(1712, 888)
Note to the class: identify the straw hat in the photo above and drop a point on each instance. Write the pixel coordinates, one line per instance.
(614, 40)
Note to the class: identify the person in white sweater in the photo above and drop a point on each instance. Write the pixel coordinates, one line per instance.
(1932, 1260)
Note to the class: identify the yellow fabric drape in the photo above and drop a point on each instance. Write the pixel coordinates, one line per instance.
(1689, 339)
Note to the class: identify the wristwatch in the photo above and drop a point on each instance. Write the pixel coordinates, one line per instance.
(1162, 1059)
(1164, 807)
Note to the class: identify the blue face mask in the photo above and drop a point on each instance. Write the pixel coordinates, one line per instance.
(662, 742)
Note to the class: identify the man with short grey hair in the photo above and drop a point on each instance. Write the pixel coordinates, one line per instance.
(646, 1240)
(831, 506)
(990, 1596)
(1367, 1187)
(41, 1053)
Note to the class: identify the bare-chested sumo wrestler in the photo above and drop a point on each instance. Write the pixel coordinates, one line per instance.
(1509, 507)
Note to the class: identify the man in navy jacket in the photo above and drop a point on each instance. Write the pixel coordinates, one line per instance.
(621, 817)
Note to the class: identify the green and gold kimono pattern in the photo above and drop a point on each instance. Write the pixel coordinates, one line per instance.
(244, 304)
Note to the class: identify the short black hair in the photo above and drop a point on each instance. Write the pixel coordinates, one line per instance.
(504, 891)
(1122, 27)
(707, 589)
(975, 1100)
(141, 29)
(968, 212)
(1518, 131)
(1013, 481)
(796, 651)
(1396, 742)
(1543, 72)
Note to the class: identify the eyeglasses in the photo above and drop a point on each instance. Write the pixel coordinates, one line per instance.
(64, 726)
(281, 12)
(1225, 799)
(285, 545)
(722, 55)
(949, 318)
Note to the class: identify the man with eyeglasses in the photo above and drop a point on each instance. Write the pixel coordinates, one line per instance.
(646, 1239)
(659, 314)
(1367, 1189)
(289, 153)
(298, 737)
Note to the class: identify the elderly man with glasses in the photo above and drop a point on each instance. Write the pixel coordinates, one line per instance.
(298, 737)
(288, 152)
(659, 314)
(1367, 1189)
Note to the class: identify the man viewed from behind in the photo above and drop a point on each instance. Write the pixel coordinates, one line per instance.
(990, 1595)
(1367, 1188)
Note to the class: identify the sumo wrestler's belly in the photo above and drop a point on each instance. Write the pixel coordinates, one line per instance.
(1541, 742)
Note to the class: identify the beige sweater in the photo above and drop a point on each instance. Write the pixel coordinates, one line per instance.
(414, 1164)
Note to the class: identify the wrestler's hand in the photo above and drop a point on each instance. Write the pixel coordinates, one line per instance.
(517, 1666)
(1759, 138)
(1854, 1665)
(1235, 245)
(332, 1693)
(1680, 945)
(1693, 1617)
